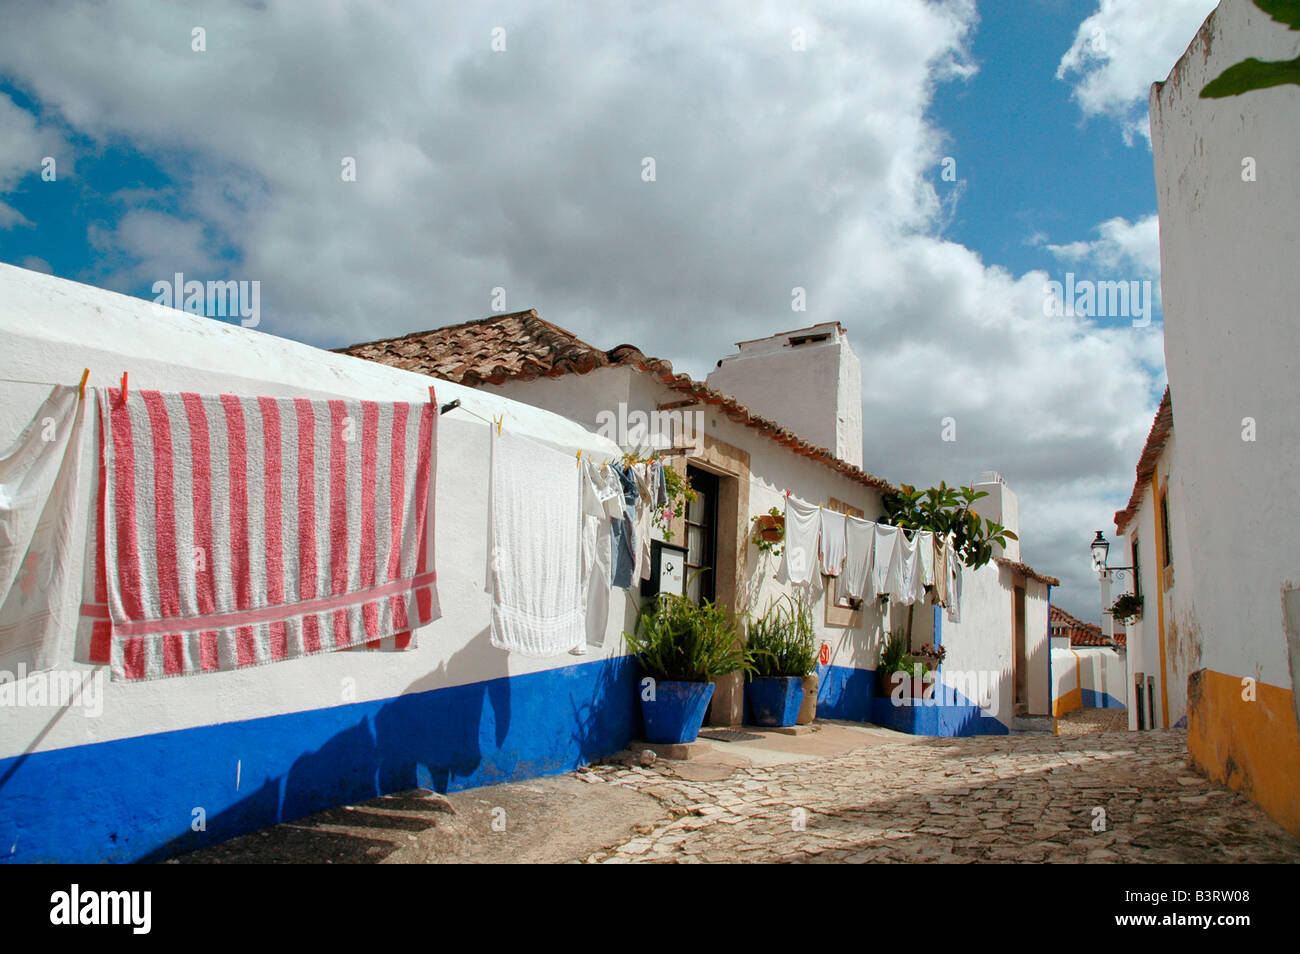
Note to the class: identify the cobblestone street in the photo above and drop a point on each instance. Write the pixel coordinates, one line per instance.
(1099, 797)
(844, 793)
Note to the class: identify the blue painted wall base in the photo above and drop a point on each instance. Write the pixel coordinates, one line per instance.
(134, 799)
(851, 694)
(1096, 699)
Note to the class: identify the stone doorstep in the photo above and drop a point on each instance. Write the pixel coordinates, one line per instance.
(672, 750)
(788, 729)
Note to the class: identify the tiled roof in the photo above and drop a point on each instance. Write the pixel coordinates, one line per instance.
(1158, 437)
(1027, 570)
(1081, 633)
(522, 346)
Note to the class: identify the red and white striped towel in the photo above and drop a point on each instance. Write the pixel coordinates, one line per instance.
(236, 531)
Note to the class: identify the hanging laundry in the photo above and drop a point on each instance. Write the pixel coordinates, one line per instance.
(908, 589)
(644, 516)
(602, 500)
(832, 542)
(624, 544)
(954, 584)
(237, 531)
(537, 603)
(661, 485)
(925, 552)
(941, 575)
(802, 528)
(38, 503)
(887, 562)
(859, 544)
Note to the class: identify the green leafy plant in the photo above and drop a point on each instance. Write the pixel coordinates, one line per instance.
(771, 523)
(1127, 607)
(677, 641)
(680, 493)
(782, 641)
(945, 510)
(1252, 73)
(893, 653)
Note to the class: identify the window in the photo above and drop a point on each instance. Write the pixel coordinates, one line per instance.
(1137, 571)
(1164, 529)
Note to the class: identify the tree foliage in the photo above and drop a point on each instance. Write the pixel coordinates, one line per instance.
(947, 510)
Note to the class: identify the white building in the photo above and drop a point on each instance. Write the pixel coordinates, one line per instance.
(1230, 239)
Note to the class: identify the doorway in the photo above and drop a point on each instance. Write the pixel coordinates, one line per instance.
(702, 536)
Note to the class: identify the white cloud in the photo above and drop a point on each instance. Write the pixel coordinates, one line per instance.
(1120, 50)
(1122, 244)
(522, 169)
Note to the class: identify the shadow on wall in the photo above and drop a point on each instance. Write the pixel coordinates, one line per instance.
(139, 799)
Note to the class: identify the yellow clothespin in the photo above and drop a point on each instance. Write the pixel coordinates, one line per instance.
(82, 392)
(500, 421)
(579, 459)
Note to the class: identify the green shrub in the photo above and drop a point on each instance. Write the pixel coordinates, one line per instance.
(893, 654)
(677, 641)
(782, 641)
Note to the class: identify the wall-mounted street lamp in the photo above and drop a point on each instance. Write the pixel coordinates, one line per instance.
(1100, 547)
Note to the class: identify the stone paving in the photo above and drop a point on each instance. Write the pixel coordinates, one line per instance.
(1106, 796)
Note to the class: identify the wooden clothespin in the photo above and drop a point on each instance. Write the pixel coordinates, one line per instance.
(123, 387)
(82, 390)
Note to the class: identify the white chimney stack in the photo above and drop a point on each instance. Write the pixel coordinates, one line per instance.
(808, 380)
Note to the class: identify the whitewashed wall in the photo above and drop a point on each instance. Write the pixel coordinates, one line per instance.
(53, 328)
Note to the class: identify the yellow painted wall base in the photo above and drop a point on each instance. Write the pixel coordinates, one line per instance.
(1067, 703)
(1252, 747)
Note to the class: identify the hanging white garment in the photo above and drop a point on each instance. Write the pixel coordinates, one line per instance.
(536, 551)
(954, 584)
(802, 527)
(832, 542)
(644, 516)
(602, 500)
(925, 549)
(909, 579)
(38, 503)
(859, 544)
(886, 565)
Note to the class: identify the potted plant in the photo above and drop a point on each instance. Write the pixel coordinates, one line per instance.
(1127, 607)
(682, 648)
(783, 649)
(916, 668)
(768, 531)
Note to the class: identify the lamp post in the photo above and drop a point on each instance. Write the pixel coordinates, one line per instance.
(1100, 550)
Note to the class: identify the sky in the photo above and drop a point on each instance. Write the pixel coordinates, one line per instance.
(923, 171)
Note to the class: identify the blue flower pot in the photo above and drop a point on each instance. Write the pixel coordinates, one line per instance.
(676, 712)
(775, 700)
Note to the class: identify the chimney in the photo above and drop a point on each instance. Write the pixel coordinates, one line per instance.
(1001, 506)
(808, 380)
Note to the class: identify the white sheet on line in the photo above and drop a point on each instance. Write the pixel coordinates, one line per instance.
(536, 548)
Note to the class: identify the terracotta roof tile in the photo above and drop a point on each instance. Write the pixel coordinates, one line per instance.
(1157, 438)
(1027, 570)
(522, 346)
(1081, 633)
